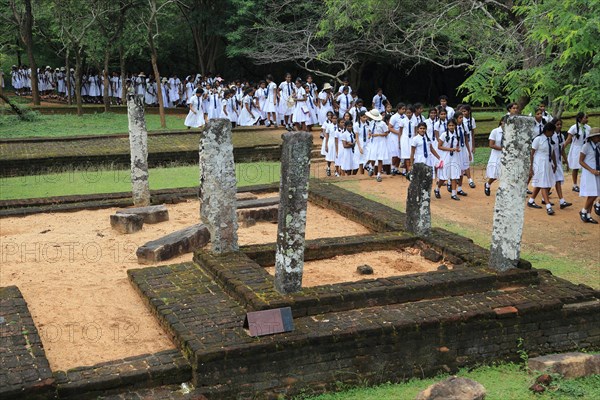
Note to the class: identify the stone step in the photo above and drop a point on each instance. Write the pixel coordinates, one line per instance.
(176, 243)
(266, 214)
(264, 202)
(569, 365)
(151, 214)
(127, 223)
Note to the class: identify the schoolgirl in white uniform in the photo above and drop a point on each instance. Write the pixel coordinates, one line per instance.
(449, 151)
(494, 166)
(286, 89)
(470, 126)
(189, 88)
(301, 113)
(431, 138)
(378, 148)
(270, 107)
(325, 99)
(408, 126)
(543, 166)
(422, 150)
(560, 156)
(589, 160)
(195, 117)
(379, 101)
(362, 129)
(312, 87)
(465, 150)
(393, 139)
(444, 105)
(313, 108)
(576, 138)
(340, 128)
(330, 141)
(261, 96)
(350, 146)
(344, 101)
(232, 109)
(324, 128)
(249, 115)
(356, 109)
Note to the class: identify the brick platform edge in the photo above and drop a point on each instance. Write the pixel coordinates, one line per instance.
(24, 369)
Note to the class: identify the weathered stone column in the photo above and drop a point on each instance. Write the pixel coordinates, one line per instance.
(293, 195)
(138, 145)
(509, 211)
(418, 200)
(218, 203)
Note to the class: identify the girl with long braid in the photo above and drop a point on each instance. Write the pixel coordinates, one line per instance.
(577, 135)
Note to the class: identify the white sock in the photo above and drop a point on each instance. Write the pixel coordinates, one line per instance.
(589, 215)
(487, 185)
(597, 204)
(583, 210)
(378, 174)
(460, 188)
(531, 201)
(562, 201)
(454, 193)
(470, 180)
(548, 206)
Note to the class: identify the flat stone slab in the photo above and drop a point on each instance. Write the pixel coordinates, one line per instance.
(127, 223)
(176, 243)
(151, 214)
(245, 196)
(266, 214)
(265, 202)
(24, 369)
(569, 365)
(453, 388)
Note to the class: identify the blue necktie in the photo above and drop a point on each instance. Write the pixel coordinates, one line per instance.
(215, 100)
(289, 89)
(425, 147)
(597, 154)
(347, 103)
(380, 101)
(452, 145)
(560, 142)
(462, 137)
(549, 150)
(409, 129)
(364, 133)
(352, 140)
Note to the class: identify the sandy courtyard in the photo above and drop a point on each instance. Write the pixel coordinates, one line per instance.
(72, 271)
(385, 263)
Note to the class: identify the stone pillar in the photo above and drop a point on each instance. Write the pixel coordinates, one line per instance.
(293, 195)
(138, 145)
(218, 188)
(509, 211)
(418, 200)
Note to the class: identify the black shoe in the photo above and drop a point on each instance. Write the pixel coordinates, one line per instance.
(472, 185)
(565, 205)
(533, 205)
(462, 193)
(529, 191)
(550, 211)
(437, 194)
(576, 188)
(449, 187)
(486, 190)
(454, 197)
(544, 203)
(597, 209)
(328, 171)
(583, 216)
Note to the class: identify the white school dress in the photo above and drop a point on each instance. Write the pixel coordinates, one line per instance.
(214, 106)
(173, 91)
(324, 108)
(452, 160)
(195, 120)
(338, 134)
(464, 151)
(16, 81)
(301, 112)
(362, 132)
(379, 102)
(449, 112)
(150, 93)
(355, 112)
(333, 132)
(261, 95)
(287, 89)
(313, 110)
(270, 98)
(345, 102)
(347, 158)
(431, 132)
(324, 130)
(393, 139)
(539, 127)
(470, 126)
(164, 88)
(409, 127)
(543, 176)
(420, 144)
(94, 88)
(558, 140)
(232, 113)
(189, 91)
(378, 148)
(246, 118)
(578, 132)
(590, 184)
(494, 166)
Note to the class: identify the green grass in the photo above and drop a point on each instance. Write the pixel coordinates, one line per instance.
(73, 125)
(115, 180)
(502, 382)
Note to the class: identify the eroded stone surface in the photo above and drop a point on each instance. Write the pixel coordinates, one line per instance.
(266, 214)
(218, 186)
(418, 199)
(569, 365)
(509, 211)
(150, 214)
(126, 223)
(176, 243)
(293, 193)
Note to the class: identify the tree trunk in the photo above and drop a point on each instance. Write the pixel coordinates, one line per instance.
(68, 78)
(78, 71)
(161, 106)
(28, 41)
(106, 81)
(15, 109)
(122, 67)
(19, 61)
(138, 144)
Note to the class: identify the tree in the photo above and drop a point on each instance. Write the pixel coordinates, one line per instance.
(21, 17)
